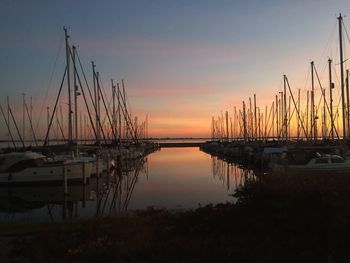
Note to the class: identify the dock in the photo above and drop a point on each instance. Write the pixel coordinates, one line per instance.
(180, 144)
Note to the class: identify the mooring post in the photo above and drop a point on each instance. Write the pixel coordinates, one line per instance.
(65, 180)
(84, 172)
(97, 168)
(108, 172)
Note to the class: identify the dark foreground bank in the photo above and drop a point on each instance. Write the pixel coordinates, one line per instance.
(276, 219)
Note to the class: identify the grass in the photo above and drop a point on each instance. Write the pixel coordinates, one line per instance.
(276, 219)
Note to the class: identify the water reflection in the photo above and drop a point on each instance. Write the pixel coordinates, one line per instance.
(173, 178)
(106, 195)
(114, 195)
(232, 175)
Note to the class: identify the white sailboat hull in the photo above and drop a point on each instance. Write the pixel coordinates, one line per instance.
(48, 173)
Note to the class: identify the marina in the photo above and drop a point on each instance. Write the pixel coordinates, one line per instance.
(167, 131)
(200, 179)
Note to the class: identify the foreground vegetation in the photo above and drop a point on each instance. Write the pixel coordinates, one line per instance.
(276, 219)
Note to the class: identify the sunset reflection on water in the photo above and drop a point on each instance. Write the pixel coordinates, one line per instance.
(185, 178)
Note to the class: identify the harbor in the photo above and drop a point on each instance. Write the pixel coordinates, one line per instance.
(168, 131)
(292, 134)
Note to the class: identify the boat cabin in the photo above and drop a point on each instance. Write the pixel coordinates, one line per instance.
(17, 161)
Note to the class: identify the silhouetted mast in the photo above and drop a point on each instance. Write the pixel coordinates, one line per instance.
(76, 93)
(70, 126)
(340, 20)
(331, 86)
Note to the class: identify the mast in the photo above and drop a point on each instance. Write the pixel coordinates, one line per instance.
(307, 113)
(324, 114)
(347, 102)
(76, 91)
(298, 132)
(70, 126)
(226, 117)
(8, 121)
(31, 118)
(113, 114)
(313, 117)
(48, 123)
(340, 20)
(255, 118)
(96, 102)
(119, 114)
(285, 124)
(331, 86)
(244, 124)
(23, 116)
(277, 129)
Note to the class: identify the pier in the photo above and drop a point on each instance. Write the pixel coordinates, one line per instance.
(180, 144)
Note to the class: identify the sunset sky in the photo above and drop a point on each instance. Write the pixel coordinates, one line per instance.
(182, 61)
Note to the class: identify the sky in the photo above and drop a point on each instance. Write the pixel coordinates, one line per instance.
(182, 61)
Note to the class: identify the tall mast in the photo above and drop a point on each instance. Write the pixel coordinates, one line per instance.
(313, 117)
(23, 116)
(298, 132)
(251, 130)
(31, 117)
(324, 114)
(285, 124)
(70, 126)
(96, 102)
(114, 123)
(277, 129)
(340, 20)
(146, 127)
(244, 123)
(331, 86)
(8, 121)
(48, 123)
(347, 102)
(255, 118)
(119, 114)
(226, 117)
(307, 114)
(75, 99)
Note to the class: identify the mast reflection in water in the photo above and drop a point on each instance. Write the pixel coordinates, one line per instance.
(173, 178)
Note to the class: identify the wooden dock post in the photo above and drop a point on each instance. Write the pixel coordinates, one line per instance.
(97, 168)
(84, 173)
(65, 180)
(108, 172)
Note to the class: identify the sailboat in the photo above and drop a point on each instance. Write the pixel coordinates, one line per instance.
(31, 167)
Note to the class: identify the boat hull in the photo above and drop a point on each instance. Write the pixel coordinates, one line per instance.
(49, 174)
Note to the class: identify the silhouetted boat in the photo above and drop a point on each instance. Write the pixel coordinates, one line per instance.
(31, 167)
(320, 164)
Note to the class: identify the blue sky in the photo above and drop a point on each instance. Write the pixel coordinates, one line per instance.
(182, 61)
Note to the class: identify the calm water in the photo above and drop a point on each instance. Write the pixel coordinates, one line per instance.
(173, 178)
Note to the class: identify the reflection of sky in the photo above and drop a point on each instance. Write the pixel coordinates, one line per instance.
(182, 60)
(179, 178)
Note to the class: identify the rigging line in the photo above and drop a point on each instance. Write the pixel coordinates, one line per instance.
(8, 127)
(49, 84)
(346, 32)
(86, 82)
(31, 124)
(15, 123)
(301, 121)
(306, 81)
(54, 110)
(107, 113)
(328, 43)
(322, 93)
(108, 108)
